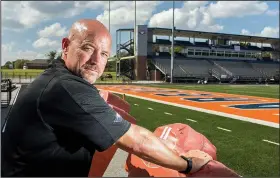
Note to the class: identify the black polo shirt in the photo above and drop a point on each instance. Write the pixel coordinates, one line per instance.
(55, 126)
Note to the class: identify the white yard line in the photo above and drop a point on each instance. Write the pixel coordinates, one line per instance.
(247, 119)
(136, 104)
(167, 113)
(150, 108)
(191, 120)
(224, 129)
(271, 142)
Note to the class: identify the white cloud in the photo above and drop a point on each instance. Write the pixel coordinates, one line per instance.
(20, 54)
(273, 12)
(54, 30)
(225, 9)
(45, 43)
(22, 14)
(245, 32)
(7, 47)
(192, 15)
(270, 32)
(122, 13)
(266, 32)
(201, 15)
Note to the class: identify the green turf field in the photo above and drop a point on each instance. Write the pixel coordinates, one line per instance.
(242, 149)
(270, 91)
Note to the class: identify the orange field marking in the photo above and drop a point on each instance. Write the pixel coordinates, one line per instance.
(266, 113)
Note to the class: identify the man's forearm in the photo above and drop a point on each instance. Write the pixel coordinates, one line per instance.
(146, 145)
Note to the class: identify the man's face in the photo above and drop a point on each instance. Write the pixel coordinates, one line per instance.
(87, 55)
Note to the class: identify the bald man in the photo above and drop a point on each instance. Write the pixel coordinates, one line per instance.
(59, 121)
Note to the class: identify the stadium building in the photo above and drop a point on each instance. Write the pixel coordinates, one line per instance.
(198, 56)
(37, 64)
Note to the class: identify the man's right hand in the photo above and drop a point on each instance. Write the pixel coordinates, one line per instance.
(199, 159)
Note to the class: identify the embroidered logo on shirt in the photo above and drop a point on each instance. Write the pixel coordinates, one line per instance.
(118, 118)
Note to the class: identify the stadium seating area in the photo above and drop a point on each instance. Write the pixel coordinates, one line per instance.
(217, 68)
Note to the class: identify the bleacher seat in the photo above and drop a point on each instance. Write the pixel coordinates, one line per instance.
(239, 68)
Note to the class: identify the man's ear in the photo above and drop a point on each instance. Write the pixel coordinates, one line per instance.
(65, 45)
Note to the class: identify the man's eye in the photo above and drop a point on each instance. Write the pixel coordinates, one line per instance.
(105, 54)
(88, 49)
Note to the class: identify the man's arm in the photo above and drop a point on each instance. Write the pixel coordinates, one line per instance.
(143, 143)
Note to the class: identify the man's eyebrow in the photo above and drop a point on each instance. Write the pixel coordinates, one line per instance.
(88, 43)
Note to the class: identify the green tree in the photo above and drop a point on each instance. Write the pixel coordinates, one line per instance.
(19, 63)
(51, 55)
(177, 49)
(7, 64)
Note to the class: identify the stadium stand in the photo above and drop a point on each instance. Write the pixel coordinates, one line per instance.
(213, 56)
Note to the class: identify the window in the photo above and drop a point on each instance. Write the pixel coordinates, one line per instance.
(220, 53)
(233, 54)
(248, 55)
(205, 53)
(213, 53)
(228, 54)
(190, 52)
(242, 54)
(198, 52)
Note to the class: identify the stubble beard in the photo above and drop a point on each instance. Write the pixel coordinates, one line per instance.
(89, 75)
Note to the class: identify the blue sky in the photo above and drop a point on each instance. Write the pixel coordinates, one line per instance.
(22, 21)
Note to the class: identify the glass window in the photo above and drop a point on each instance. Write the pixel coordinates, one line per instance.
(248, 55)
(213, 53)
(228, 54)
(198, 52)
(233, 54)
(190, 52)
(241, 54)
(205, 53)
(220, 53)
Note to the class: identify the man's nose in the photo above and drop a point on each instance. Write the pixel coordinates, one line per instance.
(95, 58)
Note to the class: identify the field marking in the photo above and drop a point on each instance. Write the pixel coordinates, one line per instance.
(224, 129)
(136, 105)
(222, 94)
(271, 142)
(150, 108)
(191, 120)
(167, 113)
(232, 116)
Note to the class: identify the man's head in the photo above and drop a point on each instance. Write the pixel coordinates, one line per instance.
(87, 48)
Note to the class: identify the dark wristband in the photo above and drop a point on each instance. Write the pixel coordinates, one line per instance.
(189, 167)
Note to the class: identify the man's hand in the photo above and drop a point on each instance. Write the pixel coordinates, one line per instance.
(199, 159)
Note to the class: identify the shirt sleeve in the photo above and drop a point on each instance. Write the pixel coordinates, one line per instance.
(74, 105)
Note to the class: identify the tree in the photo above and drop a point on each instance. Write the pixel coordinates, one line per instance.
(177, 49)
(51, 55)
(245, 44)
(7, 65)
(19, 63)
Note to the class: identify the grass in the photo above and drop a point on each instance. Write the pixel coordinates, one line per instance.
(16, 73)
(20, 72)
(270, 91)
(242, 149)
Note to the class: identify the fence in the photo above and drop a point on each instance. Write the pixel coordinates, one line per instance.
(20, 77)
(28, 77)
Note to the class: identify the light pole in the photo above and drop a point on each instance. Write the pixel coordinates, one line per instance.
(172, 47)
(109, 15)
